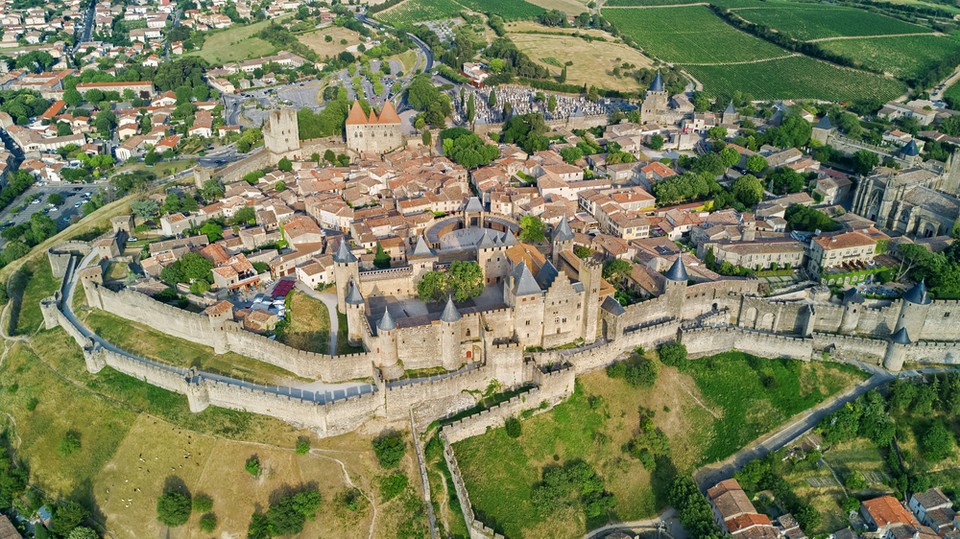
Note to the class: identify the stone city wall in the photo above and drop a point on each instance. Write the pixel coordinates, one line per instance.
(256, 160)
(708, 341)
(940, 353)
(847, 346)
(200, 329)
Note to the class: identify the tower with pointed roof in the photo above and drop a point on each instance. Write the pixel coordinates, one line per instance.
(675, 287)
(561, 240)
(914, 307)
(524, 295)
(852, 305)
(730, 115)
(373, 133)
(421, 258)
(346, 270)
(387, 342)
(356, 310)
(896, 352)
(656, 103)
(281, 135)
(451, 336)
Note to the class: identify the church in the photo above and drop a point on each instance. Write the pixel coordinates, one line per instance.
(916, 202)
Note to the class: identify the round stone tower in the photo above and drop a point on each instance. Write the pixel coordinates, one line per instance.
(346, 270)
(387, 340)
(896, 350)
(451, 335)
(356, 310)
(675, 286)
(852, 305)
(913, 310)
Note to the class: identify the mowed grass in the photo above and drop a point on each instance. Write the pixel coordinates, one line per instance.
(689, 35)
(413, 11)
(317, 41)
(309, 324)
(152, 344)
(238, 42)
(903, 57)
(796, 78)
(592, 61)
(40, 285)
(805, 22)
(58, 407)
(708, 409)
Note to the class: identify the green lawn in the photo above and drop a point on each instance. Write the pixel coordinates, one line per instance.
(309, 324)
(904, 57)
(816, 21)
(708, 409)
(235, 43)
(796, 78)
(40, 285)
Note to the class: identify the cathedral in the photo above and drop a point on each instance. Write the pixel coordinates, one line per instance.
(916, 202)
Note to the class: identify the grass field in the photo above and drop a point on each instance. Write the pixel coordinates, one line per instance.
(316, 40)
(234, 44)
(592, 61)
(152, 344)
(309, 324)
(796, 78)
(809, 21)
(705, 409)
(902, 57)
(41, 285)
(413, 11)
(689, 35)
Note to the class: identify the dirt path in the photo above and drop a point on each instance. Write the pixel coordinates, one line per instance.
(846, 38)
(698, 401)
(351, 484)
(760, 61)
(653, 7)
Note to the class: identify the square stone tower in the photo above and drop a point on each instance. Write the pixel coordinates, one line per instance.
(281, 134)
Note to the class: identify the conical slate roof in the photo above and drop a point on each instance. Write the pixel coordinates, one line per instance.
(918, 294)
(474, 205)
(509, 239)
(344, 256)
(523, 282)
(421, 248)
(852, 295)
(901, 337)
(450, 313)
(911, 149)
(730, 109)
(386, 322)
(824, 123)
(677, 272)
(486, 242)
(657, 85)
(563, 232)
(353, 296)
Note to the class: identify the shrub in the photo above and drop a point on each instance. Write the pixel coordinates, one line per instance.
(936, 443)
(351, 499)
(303, 445)
(672, 353)
(69, 444)
(173, 509)
(637, 371)
(512, 426)
(855, 481)
(202, 503)
(208, 522)
(389, 448)
(392, 485)
(253, 466)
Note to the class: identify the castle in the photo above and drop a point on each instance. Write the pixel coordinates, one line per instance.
(655, 107)
(281, 135)
(373, 134)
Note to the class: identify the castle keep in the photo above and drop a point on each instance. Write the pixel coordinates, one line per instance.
(373, 133)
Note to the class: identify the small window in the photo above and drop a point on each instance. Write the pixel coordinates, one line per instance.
(946, 315)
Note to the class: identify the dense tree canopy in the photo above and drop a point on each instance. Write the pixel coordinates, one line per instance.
(808, 219)
(463, 280)
(467, 149)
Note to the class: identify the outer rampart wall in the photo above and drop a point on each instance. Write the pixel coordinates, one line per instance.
(707, 341)
(864, 349)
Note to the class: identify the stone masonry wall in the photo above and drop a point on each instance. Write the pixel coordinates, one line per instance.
(707, 341)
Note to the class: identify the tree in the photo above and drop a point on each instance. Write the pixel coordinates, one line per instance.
(617, 270)
(69, 444)
(467, 148)
(552, 103)
(389, 449)
(72, 97)
(465, 280)
(748, 190)
(173, 509)
(82, 532)
(936, 443)
(492, 100)
(245, 216)
(865, 161)
(288, 515)
(571, 155)
(471, 109)
(55, 199)
(784, 180)
(757, 163)
(303, 445)
(532, 229)
(656, 142)
(212, 231)
(512, 426)
(427, 139)
(432, 287)
(211, 190)
(717, 133)
(672, 353)
(68, 516)
(381, 259)
(202, 503)
(252, 466)
(285, 165)
(208, 522)
(730, 156)
(809, 219)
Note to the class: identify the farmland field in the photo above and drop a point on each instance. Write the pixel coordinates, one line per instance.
(797, 77)
(689, 35)
(316, 40)
(592, 61)
(511, 11)
(648, 3)
(234, 44)
(707, 409)
(903, 57)
(819, 21)
(952, 93)
(570, 7)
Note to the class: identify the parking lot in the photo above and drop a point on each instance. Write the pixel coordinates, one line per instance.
(34, 200)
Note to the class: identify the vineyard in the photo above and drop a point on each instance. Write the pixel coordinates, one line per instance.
(510, 11)
(413, 11)
(805, 22)
(689, 35)
(797, 77)
(903, 57)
